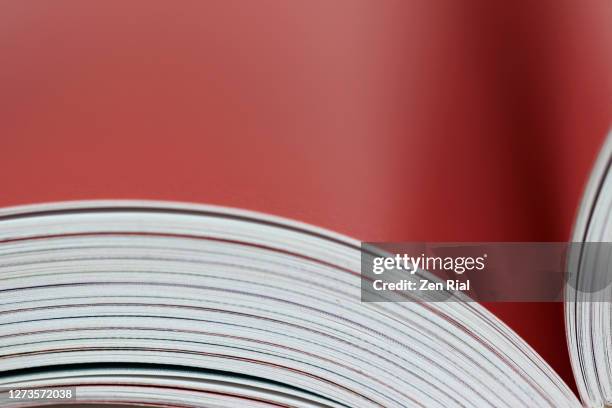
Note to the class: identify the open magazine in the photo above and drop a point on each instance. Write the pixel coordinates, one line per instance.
(178, 305)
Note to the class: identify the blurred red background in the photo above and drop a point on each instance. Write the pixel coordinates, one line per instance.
(384, 120)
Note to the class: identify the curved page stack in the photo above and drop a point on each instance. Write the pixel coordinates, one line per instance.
(588, 313)
(174, 305)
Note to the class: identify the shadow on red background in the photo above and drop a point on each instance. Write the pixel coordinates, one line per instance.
(384, 120)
